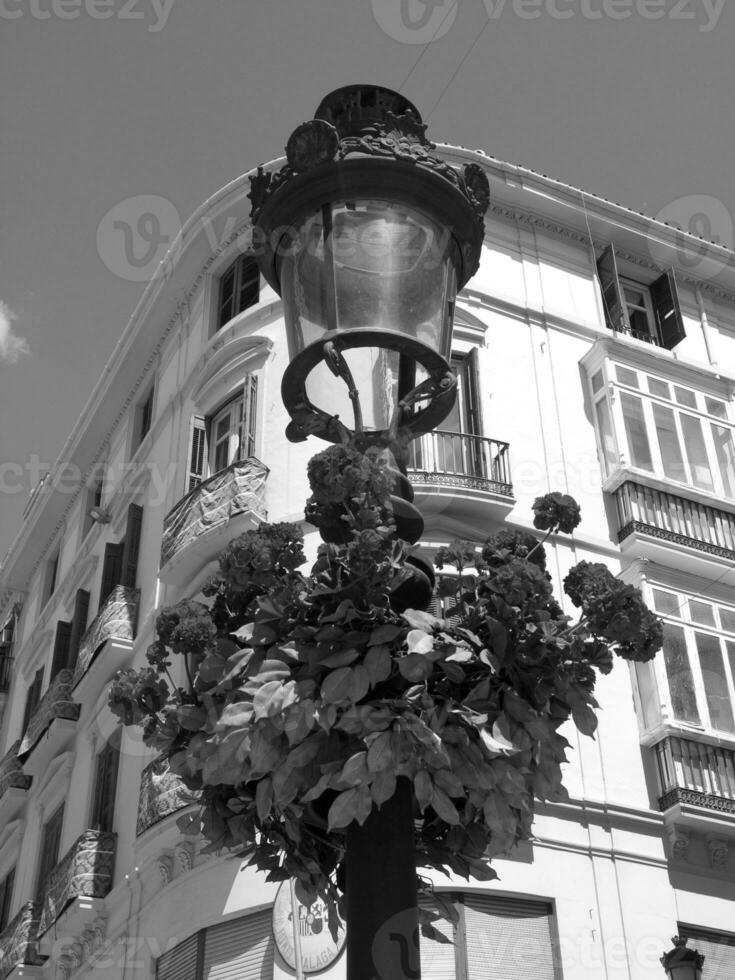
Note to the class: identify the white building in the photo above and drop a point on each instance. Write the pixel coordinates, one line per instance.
(591, 361)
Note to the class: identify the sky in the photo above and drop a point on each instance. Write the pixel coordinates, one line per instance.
(116, 110)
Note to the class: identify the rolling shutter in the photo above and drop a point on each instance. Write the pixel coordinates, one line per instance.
(111, 570)
(197, 453)
(180, 963)
(241, 949)
(438, 959)
(131, 548)
(509, 938)
(668, 313)
(718, 949)
(616, 312)
(61, 648)
(78, 625)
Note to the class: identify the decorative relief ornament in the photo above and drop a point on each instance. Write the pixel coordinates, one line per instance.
(718, 849)
(679, 839)
(310, 144)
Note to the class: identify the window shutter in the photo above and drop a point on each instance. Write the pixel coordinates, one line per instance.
(665, 298)
(241, 949)
(78, 625)
(250, 408)
(197, 453)
(61, 648)
(718, 949)
(509, 938)
(226, 297)
(131, 548)
(33, 697)
(6, 897)
(49, 848)
(438, 960)
(249, 283)
(616, 312)
(103, 804)
(180, 963)
(111, 570)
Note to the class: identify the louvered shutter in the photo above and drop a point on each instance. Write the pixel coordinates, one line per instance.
(509, 938)
(33, 697)
(718, 949)
(6, 897)
(249, 286)
(49, 848)
(438, 959)
(241, 949)
(78, 625)
(250, 410)
(103, 804)
(61, 648)
(131, 548)
(111, 570)
(226, 297)
(616, 312)
(197, 453)
(180, 963)
(665, 298)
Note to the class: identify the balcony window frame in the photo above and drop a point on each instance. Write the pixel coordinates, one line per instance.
(242, 411)
(142, 418)
(104, 786)
(49, 850)
(652, 678)
(609, 394)
(244, 276)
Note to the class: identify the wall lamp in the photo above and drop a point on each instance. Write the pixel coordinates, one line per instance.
(682, 963)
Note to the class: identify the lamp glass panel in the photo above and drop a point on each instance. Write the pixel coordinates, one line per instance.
(368, 264)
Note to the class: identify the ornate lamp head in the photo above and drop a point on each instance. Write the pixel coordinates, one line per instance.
(367, 235)
(682, 963)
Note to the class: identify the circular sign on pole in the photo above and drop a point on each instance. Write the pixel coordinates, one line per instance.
(318, 948)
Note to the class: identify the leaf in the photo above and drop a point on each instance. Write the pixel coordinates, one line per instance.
(364, 804)
(421, 620)
(419, 641)
(415, 667)
(383, 786)
(355, 770)
(584, 718)
(191, 717)
(423, 788)
(444, 807)
(273, 670)
(378, 664)
(306, 751)
(385, 634)
(448, 781)
(380, 753)
(498, 635)
(359, 683)
(237, 715)
(339, 658)
(344, 810)
(453, 671)
(264, 797)
(336, 685)
(497, 743)
(267, 697)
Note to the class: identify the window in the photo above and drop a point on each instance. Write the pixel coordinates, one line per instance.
(32, 698)
(495, 936)
(697, 669)
(120, 565)
(646, 312)
(6, 897)
(69, 635)
(92, 498)
(142, 419)
(718, 949)
(225, 437)
(674, 432)
(105, 786)
(50, 575)
(239, 289)
(7, 638)
(50, 845)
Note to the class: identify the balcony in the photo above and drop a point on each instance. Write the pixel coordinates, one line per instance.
(695, 777)
(206, 519)
(19, 941)
(14, 784)
(650, 521)
(55, 716)
(114, 626)
(77, 884)
(462, 476)
(161, 794)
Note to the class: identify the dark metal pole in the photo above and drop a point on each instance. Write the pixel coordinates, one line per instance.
(382, 915)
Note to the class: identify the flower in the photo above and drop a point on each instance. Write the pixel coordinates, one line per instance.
(556, 511)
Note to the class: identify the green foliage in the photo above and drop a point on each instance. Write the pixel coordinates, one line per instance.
(308, 697)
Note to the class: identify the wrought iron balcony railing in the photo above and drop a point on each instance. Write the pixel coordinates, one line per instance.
(459, 459)
(116, 620)
(696, 773)
(11, 772)
(645, 335)
(19, 942)
(161, 793)
(236, 490)
(664, 515)
(56, 703)
(85, 871)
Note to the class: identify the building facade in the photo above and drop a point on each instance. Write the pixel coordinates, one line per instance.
(594, 357)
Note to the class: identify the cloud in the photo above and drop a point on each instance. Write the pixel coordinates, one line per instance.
(11, 345)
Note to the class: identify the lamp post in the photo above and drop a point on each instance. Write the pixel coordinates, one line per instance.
(682, 963)
(367, 235)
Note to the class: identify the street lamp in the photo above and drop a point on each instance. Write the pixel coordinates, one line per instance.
(367, 235)
(682, 963)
